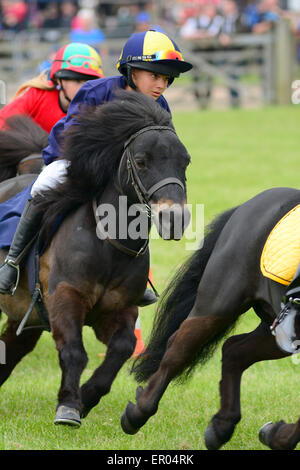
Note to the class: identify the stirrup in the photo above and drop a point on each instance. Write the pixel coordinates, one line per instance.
(10, 262)
(286, 306)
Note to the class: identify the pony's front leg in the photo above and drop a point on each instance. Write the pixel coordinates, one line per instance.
(120, 348)
(182, 348)
(238, 353)
(67, 310)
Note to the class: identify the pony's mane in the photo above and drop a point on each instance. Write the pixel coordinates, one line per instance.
(19, 138)
(94, 147)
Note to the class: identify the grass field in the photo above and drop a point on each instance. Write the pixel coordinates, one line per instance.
(235, 154)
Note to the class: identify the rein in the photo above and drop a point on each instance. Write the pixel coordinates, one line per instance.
(142, 193)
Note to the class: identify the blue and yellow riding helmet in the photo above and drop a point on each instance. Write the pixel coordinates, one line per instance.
(154, 51)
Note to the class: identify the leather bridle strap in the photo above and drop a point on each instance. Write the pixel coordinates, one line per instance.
(142, 193)
(115, 243)
(146, 129)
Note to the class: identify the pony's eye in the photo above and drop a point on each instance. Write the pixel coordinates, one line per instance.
(140, 162)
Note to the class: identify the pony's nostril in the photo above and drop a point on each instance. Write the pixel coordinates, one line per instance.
(172, 222)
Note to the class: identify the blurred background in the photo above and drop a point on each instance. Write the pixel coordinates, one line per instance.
(245, 53)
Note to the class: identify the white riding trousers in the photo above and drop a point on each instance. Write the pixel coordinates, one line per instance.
(51, 174)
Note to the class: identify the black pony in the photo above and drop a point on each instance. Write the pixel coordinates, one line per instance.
(126, 149)
(21, 145)
(220, 282)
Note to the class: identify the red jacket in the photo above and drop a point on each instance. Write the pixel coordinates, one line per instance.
(41, 105)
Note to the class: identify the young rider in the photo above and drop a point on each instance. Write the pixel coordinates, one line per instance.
(149, 62)
(47, 101)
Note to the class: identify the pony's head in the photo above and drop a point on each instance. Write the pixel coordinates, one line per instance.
(152, 170)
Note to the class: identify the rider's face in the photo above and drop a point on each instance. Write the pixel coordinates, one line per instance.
(71, 87)
(149, 83)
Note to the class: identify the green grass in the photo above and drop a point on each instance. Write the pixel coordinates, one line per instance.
(235, 155)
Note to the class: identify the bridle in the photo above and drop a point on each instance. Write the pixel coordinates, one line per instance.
(144, 195)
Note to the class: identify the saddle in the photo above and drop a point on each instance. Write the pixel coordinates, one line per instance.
(281, 253)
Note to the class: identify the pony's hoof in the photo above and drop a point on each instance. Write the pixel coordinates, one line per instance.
(264, 433)
(211, 439)
(125, 423)
(68, 416)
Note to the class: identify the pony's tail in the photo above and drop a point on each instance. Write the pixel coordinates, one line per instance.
(177, 301)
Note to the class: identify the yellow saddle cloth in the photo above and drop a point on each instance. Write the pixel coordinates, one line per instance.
(281, 253)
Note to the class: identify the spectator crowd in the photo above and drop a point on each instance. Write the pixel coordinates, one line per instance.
(93, 21)
(75, 15)
(195, 17)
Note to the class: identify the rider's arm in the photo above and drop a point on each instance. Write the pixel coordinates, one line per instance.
(163, 103)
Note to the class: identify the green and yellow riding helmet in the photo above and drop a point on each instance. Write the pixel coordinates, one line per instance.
(76, 61)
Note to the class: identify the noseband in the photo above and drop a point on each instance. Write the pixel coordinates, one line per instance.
(144, 195)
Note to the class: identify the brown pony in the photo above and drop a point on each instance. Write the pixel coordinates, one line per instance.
(127, 147)
(21, 145)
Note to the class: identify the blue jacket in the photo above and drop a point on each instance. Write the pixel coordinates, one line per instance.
(93, 92)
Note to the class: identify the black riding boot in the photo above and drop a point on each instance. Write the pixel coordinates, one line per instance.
(291, 297)
(27, 228)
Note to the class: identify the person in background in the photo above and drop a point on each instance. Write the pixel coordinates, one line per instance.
(13, 15)
(231, 25)
(45, 100)
(205, 23)
(142, 21)
(260, 17)
(86, 30)
(68, 11)
(51, 16)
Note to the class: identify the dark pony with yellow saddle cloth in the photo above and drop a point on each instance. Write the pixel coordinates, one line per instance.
(249, 255)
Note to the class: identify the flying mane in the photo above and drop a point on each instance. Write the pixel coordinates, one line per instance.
(94, 147)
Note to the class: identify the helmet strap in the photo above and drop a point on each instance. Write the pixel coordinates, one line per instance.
(61, 88)
(129, 78)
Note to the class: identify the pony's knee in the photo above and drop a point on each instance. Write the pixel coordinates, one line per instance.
(74, 354)
(124, 347)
